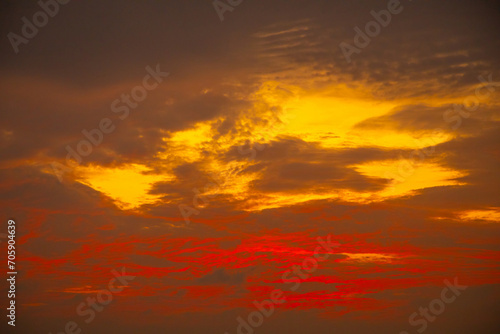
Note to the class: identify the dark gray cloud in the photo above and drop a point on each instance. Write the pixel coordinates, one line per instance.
(222, 276)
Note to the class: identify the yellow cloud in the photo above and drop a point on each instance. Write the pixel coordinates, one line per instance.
(128, 185)
(406, 177)
(325, 116)
(490, 215)
(368, 257)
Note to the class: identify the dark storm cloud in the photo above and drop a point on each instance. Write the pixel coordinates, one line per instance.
(292, 148)
(424, 118)
(93, 45)
(99, 43)
(30, 188)
(302, 177)
(291, 164)
(54, 117)
(222, 276)
(478, 158)
(187, 177)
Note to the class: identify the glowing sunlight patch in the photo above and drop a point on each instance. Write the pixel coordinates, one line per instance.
(406, 178)
(491, 215)
(368, 257)
(127, 185)
(329, 119)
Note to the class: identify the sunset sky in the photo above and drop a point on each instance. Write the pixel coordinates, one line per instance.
(208, 148)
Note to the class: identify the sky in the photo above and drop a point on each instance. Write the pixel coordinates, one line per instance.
(250, 166)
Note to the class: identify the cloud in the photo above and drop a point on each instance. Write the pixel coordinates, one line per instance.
(222, 276)
(234, 87)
